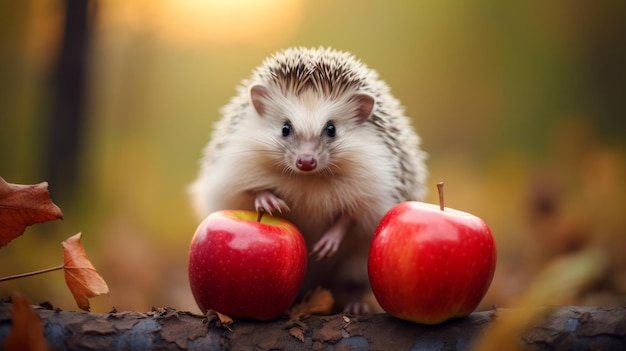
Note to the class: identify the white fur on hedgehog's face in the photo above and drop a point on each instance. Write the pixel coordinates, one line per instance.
(307, 134)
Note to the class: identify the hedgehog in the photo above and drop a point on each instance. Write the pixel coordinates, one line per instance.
(314, 136)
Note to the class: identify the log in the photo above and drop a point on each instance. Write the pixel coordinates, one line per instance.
(564, 328)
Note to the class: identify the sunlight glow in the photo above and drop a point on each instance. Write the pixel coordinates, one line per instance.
(259, 22)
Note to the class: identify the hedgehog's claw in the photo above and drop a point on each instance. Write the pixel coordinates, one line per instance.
(266, 201)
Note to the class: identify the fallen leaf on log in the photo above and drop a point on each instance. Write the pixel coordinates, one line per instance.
(347, 320)
(23, 205)
(221, 320)
(80, 275)
(225, 321)
(317, 302)
(26, 328)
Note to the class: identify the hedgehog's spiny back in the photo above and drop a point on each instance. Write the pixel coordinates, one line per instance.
(325, 70)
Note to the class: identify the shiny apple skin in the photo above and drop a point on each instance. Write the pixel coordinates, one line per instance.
(244, 268)
(427, 265)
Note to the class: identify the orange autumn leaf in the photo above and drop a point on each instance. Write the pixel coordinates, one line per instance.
(225, 321)
(221, 320)
(316, 302)
(80, 275)
(23, 205)
(26, 328)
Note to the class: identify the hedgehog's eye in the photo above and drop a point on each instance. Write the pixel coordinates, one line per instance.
(286, 130)
(331, 131)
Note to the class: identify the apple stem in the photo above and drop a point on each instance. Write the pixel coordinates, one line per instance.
(259, 215)
(440, 191)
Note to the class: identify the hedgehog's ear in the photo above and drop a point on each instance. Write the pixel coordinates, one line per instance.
(364, 106)
(258, 98)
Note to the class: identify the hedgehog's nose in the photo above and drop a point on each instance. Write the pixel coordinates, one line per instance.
(306, 162)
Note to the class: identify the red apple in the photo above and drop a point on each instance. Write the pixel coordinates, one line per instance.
(246, 268)
(428, 264)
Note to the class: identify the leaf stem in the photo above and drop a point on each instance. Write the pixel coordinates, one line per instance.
(23, 275)
(440, 190)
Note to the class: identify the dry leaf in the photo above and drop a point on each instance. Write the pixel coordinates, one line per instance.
(225, 321)
(319, 301)
(23, 205)
(297, 333)
(221, 320)
(347, 320)
(80, 275)
(26, 330)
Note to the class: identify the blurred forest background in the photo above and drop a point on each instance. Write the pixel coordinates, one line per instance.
(521, 106)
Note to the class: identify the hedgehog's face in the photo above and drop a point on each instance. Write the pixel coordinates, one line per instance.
(308, 130)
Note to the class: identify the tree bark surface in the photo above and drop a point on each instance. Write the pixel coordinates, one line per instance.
(564, 328)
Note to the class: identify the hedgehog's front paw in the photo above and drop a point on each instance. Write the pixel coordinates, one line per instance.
(330, 241)
(327, 245)
(266, 201)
